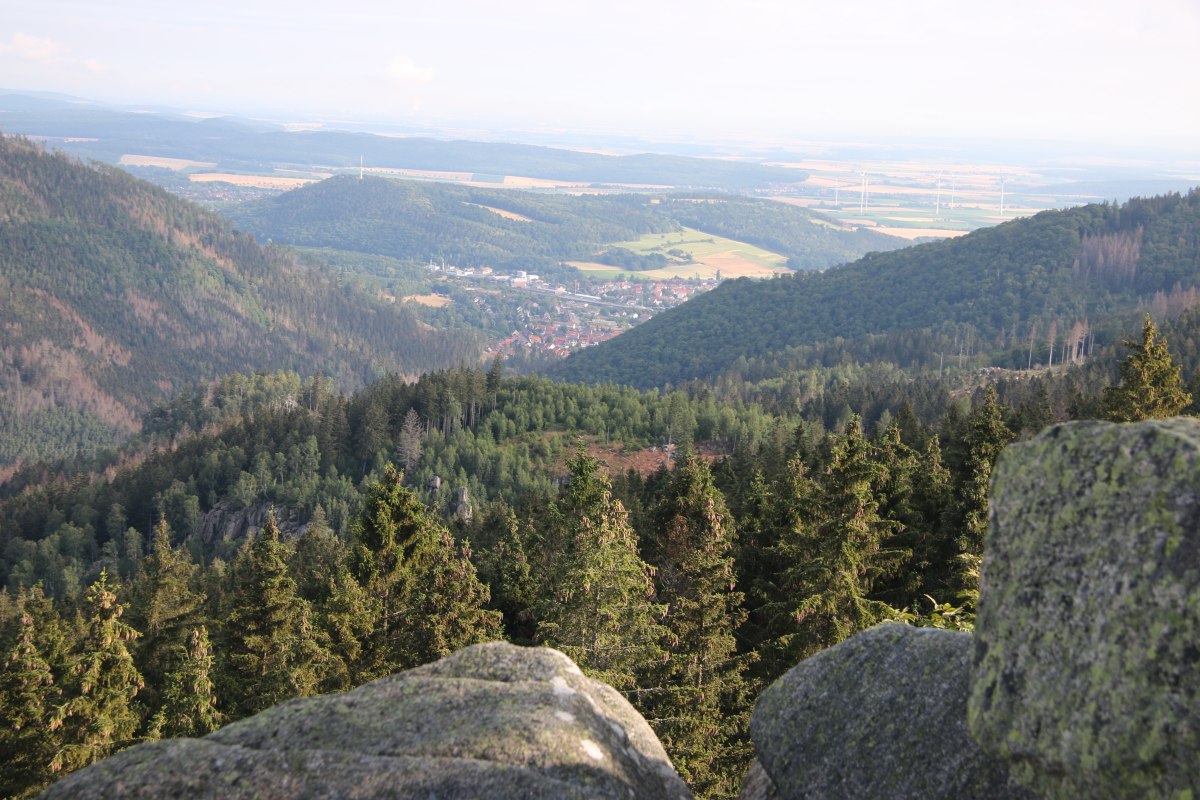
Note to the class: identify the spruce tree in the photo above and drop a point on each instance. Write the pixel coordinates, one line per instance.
(164, 608)
(986, 437)
(99, 717)
(835, 555)
(448, 605)
(1151, 386)
(267, 641)
(699, 707)
(597, 605)
(404, 558)
(189, 698)
(28, 693)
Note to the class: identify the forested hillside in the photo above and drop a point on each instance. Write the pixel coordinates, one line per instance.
(280, 553)
(522, 230)
(115, 295)
(1013, 291)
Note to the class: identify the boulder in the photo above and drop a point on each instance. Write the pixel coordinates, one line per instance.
(1086, 674)
(492, 720)
(758, 784)
(883, 714)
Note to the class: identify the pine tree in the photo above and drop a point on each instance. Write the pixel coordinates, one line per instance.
(163, 608)
(189, 698)
(700, 707)
(99, 717)
(597, 607)
(1151, 385)
(28, 693)
(266, 632)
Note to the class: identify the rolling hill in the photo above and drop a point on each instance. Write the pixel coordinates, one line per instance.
(1002, 289)
(115, 295)
(523, 230)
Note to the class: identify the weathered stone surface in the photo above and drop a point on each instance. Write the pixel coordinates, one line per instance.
(758, 784)
(1087, 657)
(883, 714)
(493, 720)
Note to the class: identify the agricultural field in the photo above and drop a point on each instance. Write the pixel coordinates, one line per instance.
(914, 200)
(177, 164)
(695, 254)
(255, 181)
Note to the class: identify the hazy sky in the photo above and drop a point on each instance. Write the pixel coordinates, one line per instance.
(1096, 70)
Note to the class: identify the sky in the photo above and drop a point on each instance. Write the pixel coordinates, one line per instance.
(1105, 71)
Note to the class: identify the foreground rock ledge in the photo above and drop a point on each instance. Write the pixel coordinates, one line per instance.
(493, 720)
(1087, 659)
(881, 715)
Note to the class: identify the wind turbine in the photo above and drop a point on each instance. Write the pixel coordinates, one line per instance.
(937, 210)
(1003, 180)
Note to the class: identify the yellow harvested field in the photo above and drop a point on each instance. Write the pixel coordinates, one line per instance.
(420, 173)
(503, 213)
(730, 265)
(131, 160)
(431, 300)
(256, 181)
(521, 182)
(916, 233)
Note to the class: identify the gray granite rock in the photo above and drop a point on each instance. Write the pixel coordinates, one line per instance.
(881, 715)
(493, 720)
(1086, 672)
(758, 784)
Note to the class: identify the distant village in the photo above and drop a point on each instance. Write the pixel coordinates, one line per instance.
(578, 320)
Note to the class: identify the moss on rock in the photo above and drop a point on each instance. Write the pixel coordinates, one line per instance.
(883, 714)
(492, 720)
(1086, 673)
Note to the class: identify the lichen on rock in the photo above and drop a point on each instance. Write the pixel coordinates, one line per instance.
(1086, 674)
(883, 714)
(492, 720)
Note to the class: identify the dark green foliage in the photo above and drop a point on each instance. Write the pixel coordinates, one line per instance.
(1151, 386)
(425, 593)
(832, 552)
(597, 591)
(189, 698)
(698, 705)
(28, 695)
(267, 629)
(100, 717)
(164, 608)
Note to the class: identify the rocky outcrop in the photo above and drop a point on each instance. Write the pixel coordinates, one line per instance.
(883, 714)
(493, 720)
(1087, 644)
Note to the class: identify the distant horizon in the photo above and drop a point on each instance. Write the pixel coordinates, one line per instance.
(1102, 75)
(621, 142)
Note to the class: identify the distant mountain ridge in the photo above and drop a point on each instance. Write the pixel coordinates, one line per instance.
(107, 134)
(115, 295)
(1003, 287)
